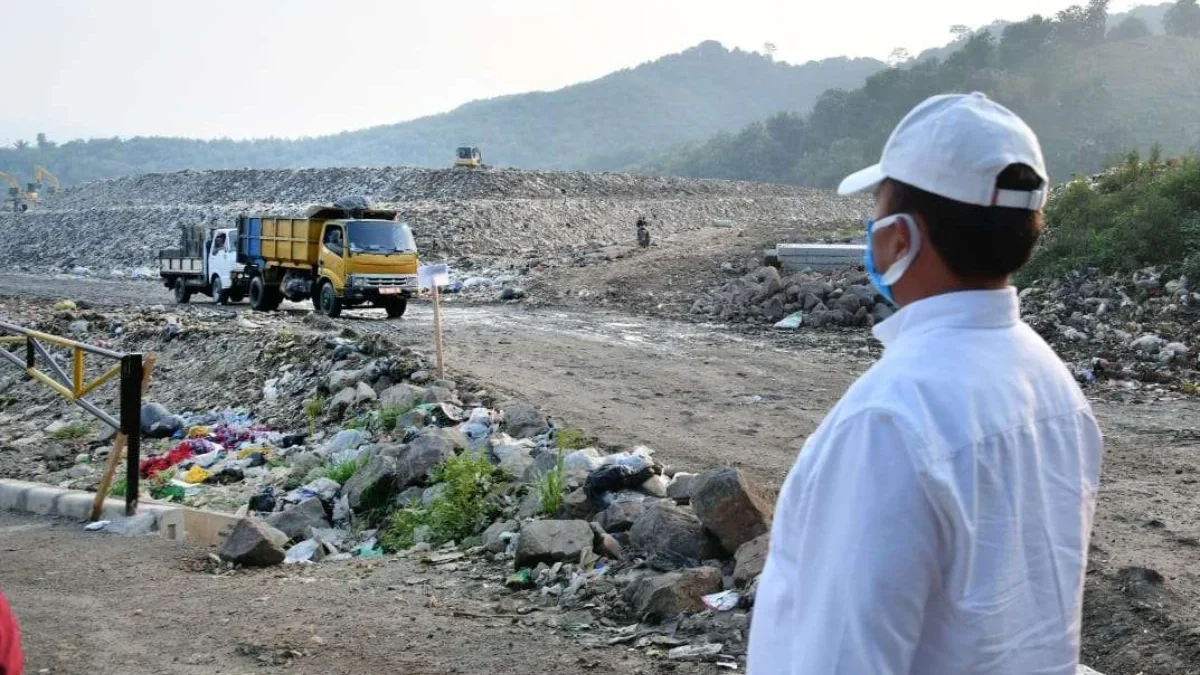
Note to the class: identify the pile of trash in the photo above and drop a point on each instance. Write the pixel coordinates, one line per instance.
(842, 298)
(122, 223)
(1122, 331)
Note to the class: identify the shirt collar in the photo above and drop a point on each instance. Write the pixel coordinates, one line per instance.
(963, 309)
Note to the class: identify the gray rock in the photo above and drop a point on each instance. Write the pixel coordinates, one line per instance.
(253, 543)
(373, 484)
(491, 536)
(530, 506)
(750, 559)
(416, 418)
(408, 495)
(848, 303)
(666, 595)
(420, 457)
(680, 488)
(882, 312)
(551, 541)
(731, 507)
(297, 522)
(810, 302)
(404, 395)
(522, 420)
(325, 488)
(576, 506)
(437, 394)
(517, 461)
(620, 516)
(664, 529)
(340, 379)
(342, 401)
(432, 493)
(78, 327)
(363, 393)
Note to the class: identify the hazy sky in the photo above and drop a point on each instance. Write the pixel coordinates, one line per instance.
(251, 68)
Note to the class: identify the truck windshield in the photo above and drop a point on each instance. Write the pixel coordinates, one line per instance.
(379, 236)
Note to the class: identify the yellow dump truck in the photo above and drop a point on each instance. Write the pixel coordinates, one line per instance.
(336, 257)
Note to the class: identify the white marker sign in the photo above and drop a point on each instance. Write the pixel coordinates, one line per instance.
(430, 275)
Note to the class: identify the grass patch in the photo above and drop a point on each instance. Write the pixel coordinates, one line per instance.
(313, 408)
(343, 471)
(551, 484)
(461, 511)
(71, 432)
(118, 488)
(570, 439)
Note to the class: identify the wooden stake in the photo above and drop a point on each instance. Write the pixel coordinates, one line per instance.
(437, 332)
(114, 457)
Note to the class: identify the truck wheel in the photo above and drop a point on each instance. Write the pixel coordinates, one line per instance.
(395, 307)
(329, 303)
(236, 296)
(219, 294)
(262, 299)
(182, 294)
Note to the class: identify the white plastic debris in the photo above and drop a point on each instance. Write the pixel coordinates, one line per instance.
(723, 601)
(695, 652)
(96, 526)
(302, 552)
(791, 321)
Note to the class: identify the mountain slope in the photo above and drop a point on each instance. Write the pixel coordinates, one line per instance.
(1089, 99)
(605, 123)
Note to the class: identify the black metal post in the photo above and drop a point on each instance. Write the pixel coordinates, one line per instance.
(131, 425)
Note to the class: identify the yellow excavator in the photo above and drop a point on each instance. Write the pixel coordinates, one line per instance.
(40, 174)
(468, 157)
(15, 199)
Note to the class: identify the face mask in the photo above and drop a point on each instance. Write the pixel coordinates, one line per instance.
(883, 281)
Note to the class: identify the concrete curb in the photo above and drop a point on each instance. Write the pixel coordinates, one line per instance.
(172, 522)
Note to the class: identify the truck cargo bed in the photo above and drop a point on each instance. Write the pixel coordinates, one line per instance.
(290, 242)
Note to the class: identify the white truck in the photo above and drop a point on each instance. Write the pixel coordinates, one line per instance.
(206, 262)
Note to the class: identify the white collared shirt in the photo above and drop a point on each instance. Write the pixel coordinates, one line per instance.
(937, 521)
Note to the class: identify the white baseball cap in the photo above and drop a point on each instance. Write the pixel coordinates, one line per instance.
(955, 146)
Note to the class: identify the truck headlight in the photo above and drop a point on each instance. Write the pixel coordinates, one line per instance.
(357, 282)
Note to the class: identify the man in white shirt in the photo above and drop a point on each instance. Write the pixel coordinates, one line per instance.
(937, 522)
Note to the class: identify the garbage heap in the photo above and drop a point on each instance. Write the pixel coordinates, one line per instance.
(841, 298)
(1125, 332)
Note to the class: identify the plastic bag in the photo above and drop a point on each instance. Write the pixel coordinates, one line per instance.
(302, 552)
(791, 321)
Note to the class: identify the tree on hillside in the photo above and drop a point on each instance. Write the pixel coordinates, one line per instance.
(1129, 29)
(1183, 19)
(899, 57)
(1024, 40)
(1080, 25)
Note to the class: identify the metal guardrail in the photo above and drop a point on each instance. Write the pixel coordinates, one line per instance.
(75, 387)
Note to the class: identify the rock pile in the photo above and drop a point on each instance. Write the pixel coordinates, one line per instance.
(824, 299)
(122, 223)
(1127, 331)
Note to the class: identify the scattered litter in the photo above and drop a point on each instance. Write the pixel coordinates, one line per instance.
(695, 652)
(791, 321)
(722, 602)
(302, 552)
(96, 526)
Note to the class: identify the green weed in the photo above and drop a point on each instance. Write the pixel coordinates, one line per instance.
(71, 432)
(570, 439)
(313, 408)
(461, 511)
(389, 414)
(551, 484)
(343, 471)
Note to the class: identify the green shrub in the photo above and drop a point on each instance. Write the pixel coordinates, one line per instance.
(461, 511)
(118, 488)
(1142, 213)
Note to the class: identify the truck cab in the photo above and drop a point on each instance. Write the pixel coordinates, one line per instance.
(205, 262)
(365, 260)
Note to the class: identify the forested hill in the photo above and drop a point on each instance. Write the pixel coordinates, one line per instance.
(609, 123)
(1091, 91)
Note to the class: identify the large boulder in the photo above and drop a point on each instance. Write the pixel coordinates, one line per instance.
(523, 420)
(340, 379)
(401, 395)
(665, 595)
(576, 506)
(750, 559)
(253, 543)
(298, 521)
(680, 488)
(342, 400)
(731, 507)
(420, 457)
(552, 541)
(491, 536)
(666, 530)
(373, 484)
(517, 461)
(620, 516)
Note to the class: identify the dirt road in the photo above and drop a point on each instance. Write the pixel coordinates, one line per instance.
(706, 395)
